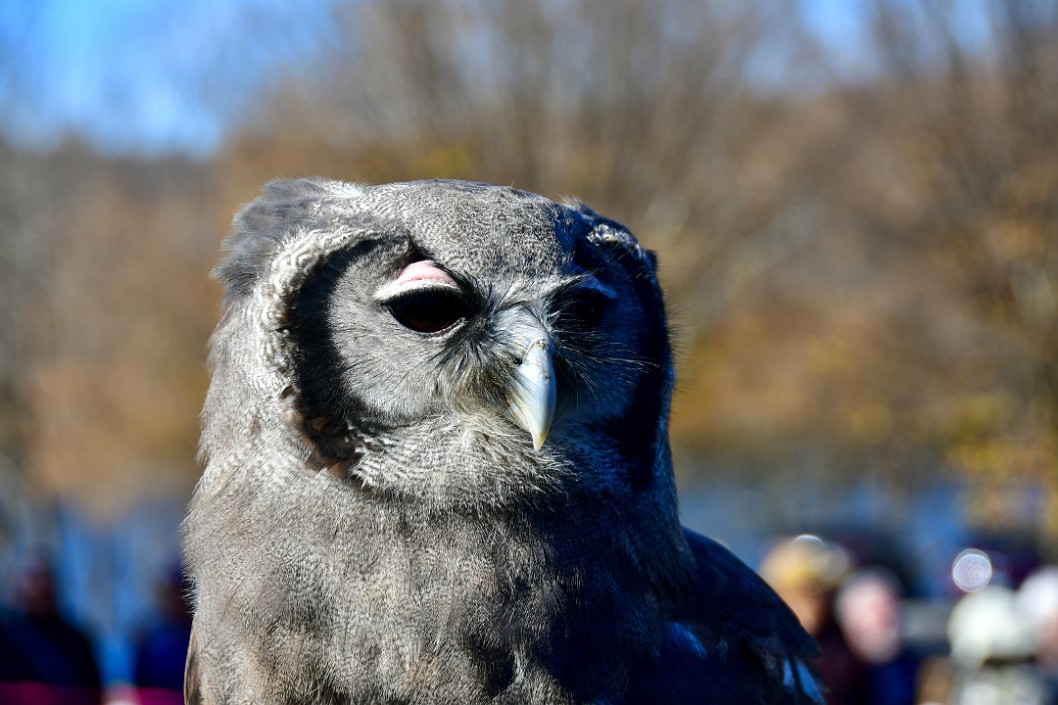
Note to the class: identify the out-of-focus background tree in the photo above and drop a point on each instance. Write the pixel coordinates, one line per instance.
(855, 207)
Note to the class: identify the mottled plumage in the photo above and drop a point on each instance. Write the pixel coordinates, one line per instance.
(438, 470)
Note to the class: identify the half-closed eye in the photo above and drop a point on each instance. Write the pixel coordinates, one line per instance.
(431, 309)
(424, 298)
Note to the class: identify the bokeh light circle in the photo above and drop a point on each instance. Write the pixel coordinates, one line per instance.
(971, 570)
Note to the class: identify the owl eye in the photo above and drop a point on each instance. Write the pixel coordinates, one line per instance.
(429, 310)
(583, 310)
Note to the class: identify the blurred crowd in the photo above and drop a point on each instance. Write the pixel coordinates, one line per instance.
(48, 659)
(989, 638)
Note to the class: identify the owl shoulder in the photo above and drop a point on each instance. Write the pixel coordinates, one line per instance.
(735, 625)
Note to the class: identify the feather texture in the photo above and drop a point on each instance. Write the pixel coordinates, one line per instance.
(373, 525)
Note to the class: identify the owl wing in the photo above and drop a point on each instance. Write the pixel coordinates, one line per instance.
(734, 640)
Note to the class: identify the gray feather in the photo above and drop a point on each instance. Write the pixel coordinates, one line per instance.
(372, 526)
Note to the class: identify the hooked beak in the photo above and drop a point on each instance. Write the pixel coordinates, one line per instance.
(533, 391)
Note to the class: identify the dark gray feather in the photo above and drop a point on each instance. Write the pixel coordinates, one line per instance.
(374, 526)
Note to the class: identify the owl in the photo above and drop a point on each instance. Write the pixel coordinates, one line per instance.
(437, 468)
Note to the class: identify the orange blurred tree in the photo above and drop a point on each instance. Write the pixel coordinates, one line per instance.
(964, 175)
(659, 115)
(861, 274)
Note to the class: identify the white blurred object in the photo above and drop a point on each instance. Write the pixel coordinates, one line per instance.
(1038, 596)
(1038, 602)
(1004, 685)
(989, 625)
(972, 570)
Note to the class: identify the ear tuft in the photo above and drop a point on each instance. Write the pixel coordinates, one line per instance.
(261, 226)
(610, 233)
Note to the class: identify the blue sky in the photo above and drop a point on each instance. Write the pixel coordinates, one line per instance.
(162, 76)
(838, 24)
(147, 76)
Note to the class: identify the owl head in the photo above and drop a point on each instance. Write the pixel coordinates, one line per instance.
(451, 342)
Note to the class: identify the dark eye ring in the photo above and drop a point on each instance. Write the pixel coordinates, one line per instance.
(429, 309)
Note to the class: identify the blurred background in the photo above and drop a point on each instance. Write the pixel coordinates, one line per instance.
(855, 206)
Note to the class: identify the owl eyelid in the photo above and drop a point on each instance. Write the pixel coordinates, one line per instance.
(416, 276)
(393, 290)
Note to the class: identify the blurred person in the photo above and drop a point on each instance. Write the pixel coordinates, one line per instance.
(44, 658)
(1037, 601)
(805, 572)
(869, 612)
(992, 652)
(161, 651)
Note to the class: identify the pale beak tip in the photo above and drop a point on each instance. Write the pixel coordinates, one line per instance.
(533, 392)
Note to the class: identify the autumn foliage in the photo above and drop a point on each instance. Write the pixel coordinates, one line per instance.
(860, 267)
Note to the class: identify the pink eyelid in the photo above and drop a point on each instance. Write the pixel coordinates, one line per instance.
(415, 275)
(426, 269)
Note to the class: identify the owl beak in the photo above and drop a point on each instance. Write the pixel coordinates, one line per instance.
(533, 391)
